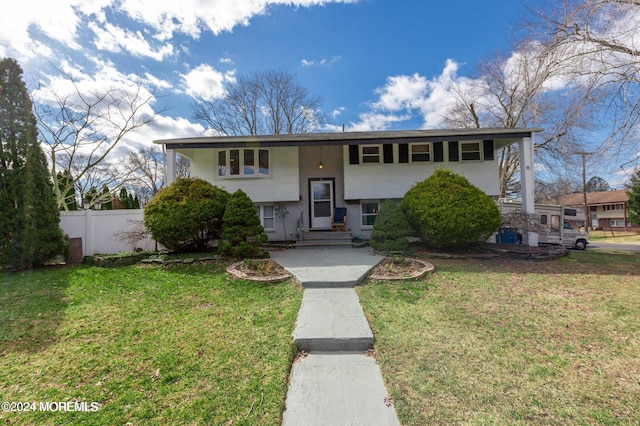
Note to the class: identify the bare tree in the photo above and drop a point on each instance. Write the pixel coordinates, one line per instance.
(82, 128)
(271, 102)
(145, 172)
(600, 39)
(521, 91)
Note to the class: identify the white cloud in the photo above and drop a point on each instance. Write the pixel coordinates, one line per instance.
(114, 39)
(321, 62)
(205, 82)
(407, 97)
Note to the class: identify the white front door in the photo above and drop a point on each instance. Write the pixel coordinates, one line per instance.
(321, 193)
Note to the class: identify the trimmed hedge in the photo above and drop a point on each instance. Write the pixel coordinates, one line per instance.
(186, 215)
(448, 212)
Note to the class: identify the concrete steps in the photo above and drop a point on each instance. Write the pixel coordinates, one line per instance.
(331, 319)
(322, 239)
(334, 380)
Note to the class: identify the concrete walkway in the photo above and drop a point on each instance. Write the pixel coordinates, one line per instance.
(334, 382)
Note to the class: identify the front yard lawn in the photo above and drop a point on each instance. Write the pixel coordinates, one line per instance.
(149, 344)
(512, 342)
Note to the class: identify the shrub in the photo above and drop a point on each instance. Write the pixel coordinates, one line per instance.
(391, 229)
(187, 215)
(242, 234)
(449, 212)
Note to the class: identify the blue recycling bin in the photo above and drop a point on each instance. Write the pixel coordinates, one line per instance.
(509, 236)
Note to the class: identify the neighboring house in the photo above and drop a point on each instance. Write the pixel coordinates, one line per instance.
(312, 173)
(606, 210)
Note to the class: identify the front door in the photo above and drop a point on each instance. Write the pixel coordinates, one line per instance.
(321, 196)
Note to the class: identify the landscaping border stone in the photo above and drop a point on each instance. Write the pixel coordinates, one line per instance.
(234, 271)
(427, 267)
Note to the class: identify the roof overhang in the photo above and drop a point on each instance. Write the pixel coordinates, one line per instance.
(500, 136)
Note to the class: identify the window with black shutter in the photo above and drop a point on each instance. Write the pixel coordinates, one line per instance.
(403, 153)
(487, 146)
(453, 151)
(354, 154)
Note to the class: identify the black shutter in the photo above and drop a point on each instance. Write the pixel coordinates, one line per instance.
(403, 153)
(487, 146)
(354, 154)
(453, 151)
(438, 152)
(387, 153)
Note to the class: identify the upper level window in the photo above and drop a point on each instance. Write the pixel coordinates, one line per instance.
(470, 151)
(614, 207)
(420, 153)
(243, 162)
(370, 154)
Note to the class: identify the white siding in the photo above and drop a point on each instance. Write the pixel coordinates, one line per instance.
(281, 185)
(382, 181)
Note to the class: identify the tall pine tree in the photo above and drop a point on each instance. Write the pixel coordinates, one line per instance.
(30, 233)
(633, 191)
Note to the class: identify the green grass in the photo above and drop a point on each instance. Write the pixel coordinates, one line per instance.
(150, 344)
(512, 342)
(614, 237)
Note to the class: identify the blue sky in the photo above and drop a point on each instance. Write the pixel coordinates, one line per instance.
(344, 51)
(376, 64)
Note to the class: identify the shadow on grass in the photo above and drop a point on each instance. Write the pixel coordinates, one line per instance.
(32, 307)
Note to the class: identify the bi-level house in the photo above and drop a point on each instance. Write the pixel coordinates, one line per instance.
(308, 175)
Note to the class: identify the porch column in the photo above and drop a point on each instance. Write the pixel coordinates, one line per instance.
(169, 166)
(527, 184)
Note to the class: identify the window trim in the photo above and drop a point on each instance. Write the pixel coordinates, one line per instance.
(363, 155)
(226, 152)
(263, 216)
(421, 144)
(362, 214)
(461, 151)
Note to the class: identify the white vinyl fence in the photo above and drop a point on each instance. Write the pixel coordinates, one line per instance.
(107, 231)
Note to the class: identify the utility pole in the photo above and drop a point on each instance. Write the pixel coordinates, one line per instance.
(587, 214)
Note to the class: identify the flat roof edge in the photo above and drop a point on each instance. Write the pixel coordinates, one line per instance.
(348, 138)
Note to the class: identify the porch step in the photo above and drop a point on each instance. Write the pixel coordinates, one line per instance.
(325, 239)
(331, 319)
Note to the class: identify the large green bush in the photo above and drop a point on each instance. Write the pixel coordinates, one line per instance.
(187, 215)
(391, 229)
(447, 211)
(242, 234)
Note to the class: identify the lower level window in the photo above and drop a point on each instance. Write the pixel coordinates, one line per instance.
(616, 223)
(369, 212)
(267, 217)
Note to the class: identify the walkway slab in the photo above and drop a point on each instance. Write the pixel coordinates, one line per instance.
(331, 319)
(327, 267)
(337, 389)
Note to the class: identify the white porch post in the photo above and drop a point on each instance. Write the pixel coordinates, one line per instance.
(169, 166)
(527, 184)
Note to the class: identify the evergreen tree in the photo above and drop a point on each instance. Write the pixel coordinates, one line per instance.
(242, 234)
(106, 199)
(391, 229)
(633, 205)
(125, 198)
(67, 191)
(30, 233)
